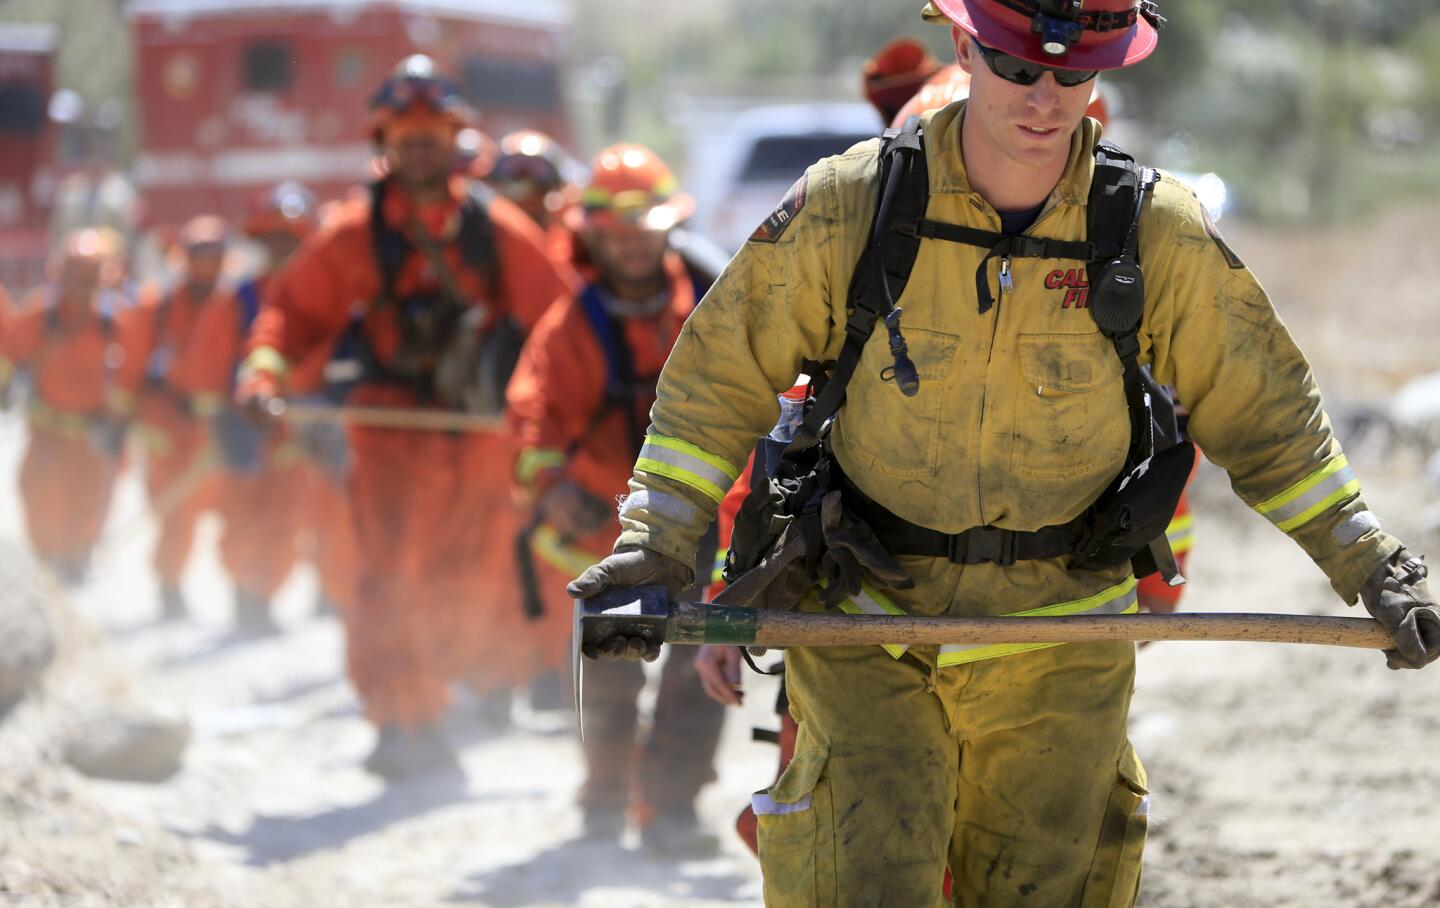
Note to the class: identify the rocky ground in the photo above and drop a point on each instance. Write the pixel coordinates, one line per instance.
(1282, 776)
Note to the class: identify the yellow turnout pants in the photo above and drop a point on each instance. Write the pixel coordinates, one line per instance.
(1015, 772)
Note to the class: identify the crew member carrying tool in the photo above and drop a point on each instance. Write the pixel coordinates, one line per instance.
(997, 453)
(260, 493)
(578, 405)
(65, 338)
(175, 387)
(443, 278)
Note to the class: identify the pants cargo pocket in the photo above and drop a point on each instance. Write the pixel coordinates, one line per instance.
(796, 831)
(1114, 880)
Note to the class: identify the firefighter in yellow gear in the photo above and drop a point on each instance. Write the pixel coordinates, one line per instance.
(1007, 764)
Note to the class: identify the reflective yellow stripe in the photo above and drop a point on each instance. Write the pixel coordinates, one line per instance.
(71, 425)
(567, 559)
(1120, 599)
(718, 574)
(207, 403)
(534, 460)
(119, 401)
(1312, 496)
(870, 601)
(1181, 533)
(688, 464)
(266, 359)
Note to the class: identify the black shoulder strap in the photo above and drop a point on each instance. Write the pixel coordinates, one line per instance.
(477, 232)
(390, 245)
(881, 273)
(1117, 284)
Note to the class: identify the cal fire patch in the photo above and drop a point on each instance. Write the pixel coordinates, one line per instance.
(1231, 258)
(774, 226)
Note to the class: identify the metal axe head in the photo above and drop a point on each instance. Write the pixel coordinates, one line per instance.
(633, 611)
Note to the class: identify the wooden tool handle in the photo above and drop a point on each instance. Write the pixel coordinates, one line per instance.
(779, 629)
(388, 418)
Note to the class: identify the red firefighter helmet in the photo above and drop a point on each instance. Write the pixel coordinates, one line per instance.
(953, 84)
(1066, 34)
(415, 84)
(895, 73)
(288, 207)
(630, 184)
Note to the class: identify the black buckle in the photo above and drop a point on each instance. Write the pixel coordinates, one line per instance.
(981, 544)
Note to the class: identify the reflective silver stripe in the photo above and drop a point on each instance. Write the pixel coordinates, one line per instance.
(1332, 484)
(1143, 808)
(672, 506)
(1353, 527)
(686, 463)
(766, 806)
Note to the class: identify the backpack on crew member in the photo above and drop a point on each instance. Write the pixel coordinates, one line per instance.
(1125, 524)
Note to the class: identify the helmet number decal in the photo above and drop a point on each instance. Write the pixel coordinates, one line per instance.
(773, 227)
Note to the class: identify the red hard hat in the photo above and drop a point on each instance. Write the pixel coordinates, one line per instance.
(630, 184)
(953, 84)
(289, 207)
(415, 83)
(1067, 34)
(895, 73)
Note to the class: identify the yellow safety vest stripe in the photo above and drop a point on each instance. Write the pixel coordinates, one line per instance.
(534, 460)
(266, 359)
(1181, 533)
(1312, 496)
(71, 425)
(688, 464)
(870, 601)
(1120, 599)
(568, 559)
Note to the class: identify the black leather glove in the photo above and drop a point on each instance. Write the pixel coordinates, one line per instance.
(853, 554)
(630, 566)
(1397, 596)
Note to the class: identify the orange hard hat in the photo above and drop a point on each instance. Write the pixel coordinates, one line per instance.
(895, 73)
(1066, 34)
(416, 86)
(630, 184)
(205, 230)
(953, 84)
(288, 207)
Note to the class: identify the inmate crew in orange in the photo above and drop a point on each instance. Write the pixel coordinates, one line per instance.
(428, 266)
(174, 384)
(578, 404)
(259, 494)
(531, 169)
(64, 337)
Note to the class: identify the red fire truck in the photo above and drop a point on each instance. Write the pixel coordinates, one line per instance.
(27, 152)
(237, 95)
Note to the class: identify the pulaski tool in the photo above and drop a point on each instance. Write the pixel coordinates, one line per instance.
(649, 614)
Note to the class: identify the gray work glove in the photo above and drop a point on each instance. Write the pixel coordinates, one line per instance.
(853, 554)
(630, 566)
(572, 510)
(1397, 596)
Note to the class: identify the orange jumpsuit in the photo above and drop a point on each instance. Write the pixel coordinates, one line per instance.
(433, 518)
(174, 378)
(568, 428)
(261, 508)
(65, 478)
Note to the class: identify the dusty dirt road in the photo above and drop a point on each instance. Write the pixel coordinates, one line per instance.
(1282, 776)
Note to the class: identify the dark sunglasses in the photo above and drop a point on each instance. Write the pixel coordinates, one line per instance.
(1023, 72)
